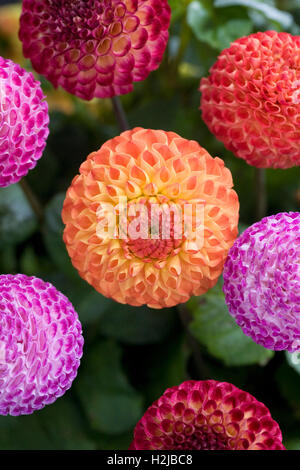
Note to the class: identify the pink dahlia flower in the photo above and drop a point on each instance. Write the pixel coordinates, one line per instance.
(95, 48)
(207, 415)
(23, 122)
(251, 99)
(262, 281)
(40, 344)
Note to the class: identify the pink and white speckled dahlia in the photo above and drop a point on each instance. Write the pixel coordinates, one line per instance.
(207, 415)
(262, 281)
(95, 48)
(40, 344)
(23, 122)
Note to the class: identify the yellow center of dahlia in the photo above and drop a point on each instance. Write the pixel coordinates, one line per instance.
(153, 228)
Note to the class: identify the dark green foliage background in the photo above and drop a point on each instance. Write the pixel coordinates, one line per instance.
(132, 355)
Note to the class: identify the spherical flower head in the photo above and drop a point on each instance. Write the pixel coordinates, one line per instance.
(251, 99)
(23, 122)
(40, 344)
(207, 415)
(150, 218)
(95, 48)
(262, 281)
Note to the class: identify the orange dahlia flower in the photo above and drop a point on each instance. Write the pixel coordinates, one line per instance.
(174, 216)
(251, 99)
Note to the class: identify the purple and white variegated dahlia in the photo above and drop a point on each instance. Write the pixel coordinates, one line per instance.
(23, 122)
(95, 48)
(262, 281)
(40, 344)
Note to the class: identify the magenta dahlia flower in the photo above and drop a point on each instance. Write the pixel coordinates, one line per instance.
(95, 48)
(207, 415)
(40, 344)
(23, 122)
(262, 281)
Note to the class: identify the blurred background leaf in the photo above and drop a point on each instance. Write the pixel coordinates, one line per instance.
(284, 19)
(294, 360)
(17, 219)
(217, 330)
(111, 404)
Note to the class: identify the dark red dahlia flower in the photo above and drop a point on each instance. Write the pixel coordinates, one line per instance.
(95, 48)
(251, 99)
(207, 415)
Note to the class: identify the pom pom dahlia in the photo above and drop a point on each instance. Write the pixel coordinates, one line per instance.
(207, 415)
(251, 99)
(153, 255)
(40, 344)
(95, 48)
(262, 281)
(23, 122)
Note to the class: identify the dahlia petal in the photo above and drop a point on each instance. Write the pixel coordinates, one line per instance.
(24, 122)
(41, 344)
(262, 281)
(69, 38)
(171, 423)
(150, 170)
(252, 88)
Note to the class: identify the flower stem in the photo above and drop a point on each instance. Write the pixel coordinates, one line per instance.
(185, 317)
(261, 193)
(120, 113)
(32, 199)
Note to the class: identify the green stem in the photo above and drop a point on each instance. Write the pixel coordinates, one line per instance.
(120, 113)
(186, 318)
(32, 199)
(261, 193)
(185, 36)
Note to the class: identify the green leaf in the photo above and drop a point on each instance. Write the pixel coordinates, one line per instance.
(29, 261)
(111, 404)
(56, 427)
(8, 259)
(120, 441)
(64, 426)
(292, 443)
(213, 326)
(17, 219)
(200, 21)
(178, 8)
(136, 325)
(14, 433)
(283, 18)
(165, 367)
(294, 360)
(289, 385)
(216, 31)
(53, 236)
(232, 30)
(91, 306)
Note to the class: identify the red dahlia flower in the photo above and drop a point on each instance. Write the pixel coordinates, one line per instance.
(207, 415)
(95, 48)
(251, 99)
